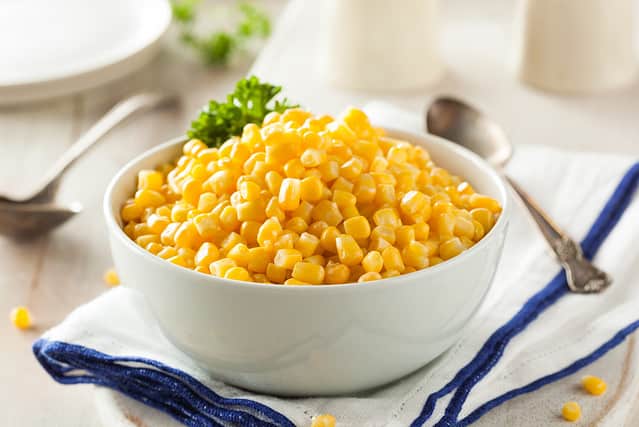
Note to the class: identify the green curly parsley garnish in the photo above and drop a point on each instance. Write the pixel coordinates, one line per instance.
(219, 47)
(250, 102)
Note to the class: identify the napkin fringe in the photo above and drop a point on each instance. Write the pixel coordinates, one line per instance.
(492, 350)
(154, 384)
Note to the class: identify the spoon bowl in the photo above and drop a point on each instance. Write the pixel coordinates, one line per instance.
(27, 220)
(463, 124)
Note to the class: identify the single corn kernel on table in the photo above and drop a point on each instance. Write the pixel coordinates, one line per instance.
(55, 273)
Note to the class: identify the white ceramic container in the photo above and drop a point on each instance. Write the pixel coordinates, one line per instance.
(578, 46)
(380, 44)
(313, 340)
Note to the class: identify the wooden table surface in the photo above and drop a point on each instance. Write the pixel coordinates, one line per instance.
(55, 273)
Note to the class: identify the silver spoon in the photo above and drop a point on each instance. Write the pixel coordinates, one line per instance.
(30, 212)
(458, 122)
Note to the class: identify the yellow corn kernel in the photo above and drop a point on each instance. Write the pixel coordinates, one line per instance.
(594, 385)
(329, 170)
(179, 213)
(451, 248)
(228, 218)
(111, 277)
(481, 201)
(250, 191)
(154, 248)
(221, 266)
(294, 168)
(316, 259)
(207, 225)
(336, 273)
(327, 240)
(390, 273)
(273, 182)
(273, 210)
(392, 259)
(311, 189)
(405, 234)
(307, 244)
(167, 252)
(229, 242)
(145, 198)
(304, 211)
(131, 212)
(269, 232)
(384, 232)
(145, 239)
(20, 317)
(290, 193)
(250, 211)
(373, 262)
(312, 157)
(308, 272)
(434, 260)
(484, 217)
(379, 164)
(387, 217)
(221, 182)
(249, 230)
(150, 180)
(416, 203)
(464, 227)
(240, 254)
(328, 212)
(206, 254)
(369, 276)
(293, 281)
(275, 274)
(178, 260)
(365, 189)
(157, 223)
(385, 195)
(356, 273)
(287, 258)
(201, 269)
(479, 231)
(342, 184)
(259, 258)
(352, 168)
(358, 227)
(422, 230)
(344, 198)
(571, 411)
(317, 228)
(445, 225)
(296, 224)
(415, 255)
(186, 235)
(191, 190)
(238, 273)
(348, 250)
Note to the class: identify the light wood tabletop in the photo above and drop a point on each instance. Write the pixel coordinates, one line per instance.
(55, 273)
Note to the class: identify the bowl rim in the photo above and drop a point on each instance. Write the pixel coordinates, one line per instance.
(115, 229)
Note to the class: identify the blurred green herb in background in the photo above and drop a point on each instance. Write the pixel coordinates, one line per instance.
(219, 47)
(250, 102)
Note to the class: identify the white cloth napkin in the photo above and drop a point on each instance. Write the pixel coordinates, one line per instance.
(572, 187)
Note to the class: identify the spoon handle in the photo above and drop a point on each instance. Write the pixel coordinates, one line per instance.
(582, 276)
(122, 110)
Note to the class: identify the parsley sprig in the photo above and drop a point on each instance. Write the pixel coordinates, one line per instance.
(250, 102)
(219, 47)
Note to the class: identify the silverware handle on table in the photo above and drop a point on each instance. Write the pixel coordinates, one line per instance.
(122, 110)
(582, 276)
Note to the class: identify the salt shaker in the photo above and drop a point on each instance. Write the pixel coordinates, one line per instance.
(577, 46)
(380, 44)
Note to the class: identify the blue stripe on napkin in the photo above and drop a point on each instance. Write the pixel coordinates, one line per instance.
(494, 347)
(155, 384)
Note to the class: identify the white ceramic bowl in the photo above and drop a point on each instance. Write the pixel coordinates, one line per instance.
(313, 340)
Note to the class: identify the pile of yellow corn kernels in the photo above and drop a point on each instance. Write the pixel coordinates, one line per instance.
(306, 199)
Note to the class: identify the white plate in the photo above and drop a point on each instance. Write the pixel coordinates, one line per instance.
(50, 48)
